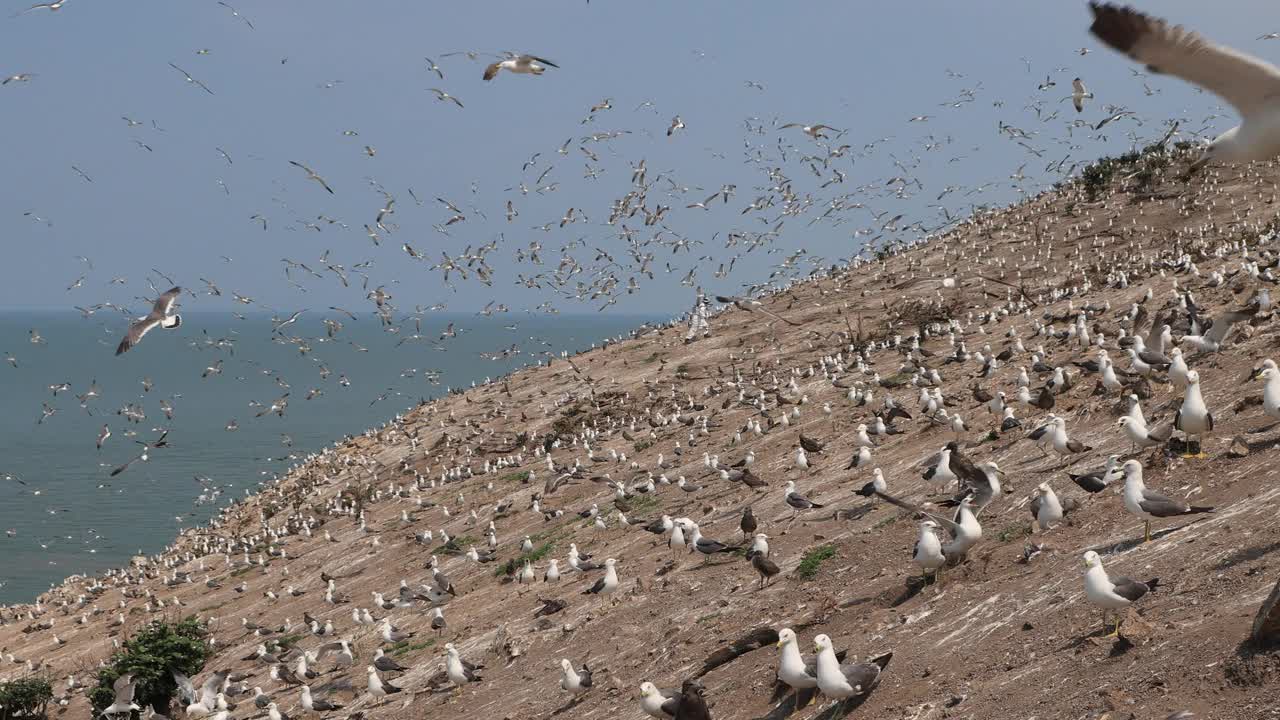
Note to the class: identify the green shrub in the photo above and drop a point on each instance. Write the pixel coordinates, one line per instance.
(151, 655)
(24, 698)
(813, 559)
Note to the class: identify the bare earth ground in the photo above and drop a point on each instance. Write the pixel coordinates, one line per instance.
(1001, 638)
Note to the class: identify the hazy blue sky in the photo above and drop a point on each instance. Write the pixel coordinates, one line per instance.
(863, 67)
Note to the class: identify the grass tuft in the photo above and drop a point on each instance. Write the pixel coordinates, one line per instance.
(813, 560)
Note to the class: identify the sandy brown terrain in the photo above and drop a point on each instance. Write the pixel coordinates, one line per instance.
(1002, 637)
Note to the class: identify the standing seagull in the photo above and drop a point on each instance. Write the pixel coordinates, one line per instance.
(1251, 85)
(797, 501)
(1193, 417)
(841, 682)
(1111, 594)
(161, 314)
(520, 64)
(1147, 504)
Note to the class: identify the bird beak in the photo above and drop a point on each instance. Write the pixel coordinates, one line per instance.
(779, 643)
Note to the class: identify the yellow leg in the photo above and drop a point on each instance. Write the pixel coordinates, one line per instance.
(1146, 536)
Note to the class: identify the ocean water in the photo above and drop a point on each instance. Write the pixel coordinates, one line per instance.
(71, 517)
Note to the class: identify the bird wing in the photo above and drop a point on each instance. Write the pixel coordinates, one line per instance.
(212, 686)
(1242, 80)
(1222, 324)
(1154, 503)
(544, 61)
(1129, 589)
(946, 522)
(123, 689)
(136, 332)
(492, 70)
(185, 689)
(164, 303)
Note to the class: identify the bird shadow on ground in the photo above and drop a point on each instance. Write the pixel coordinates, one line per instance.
(1247, 555)
(839, 710)
(567, 706)
(842, 708)
(1126, 545)
(913, 587)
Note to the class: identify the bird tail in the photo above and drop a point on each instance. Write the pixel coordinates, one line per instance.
(816, 505)
(1152, 583)
(1200, 509)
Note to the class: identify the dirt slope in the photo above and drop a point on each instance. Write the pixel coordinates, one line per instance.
(1002, 637)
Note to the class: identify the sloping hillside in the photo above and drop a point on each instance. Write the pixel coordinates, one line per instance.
(1007, 634)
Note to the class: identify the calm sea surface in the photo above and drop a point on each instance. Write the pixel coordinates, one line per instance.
(71, 517)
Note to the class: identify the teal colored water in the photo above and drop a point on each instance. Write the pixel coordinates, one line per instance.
(60, 511)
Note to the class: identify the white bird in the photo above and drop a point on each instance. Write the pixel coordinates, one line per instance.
(1111, 594)
(840, 682)
(927, 552)
(1046, 507)
(459, 671)
(161, 315)
(519, 64)
(1147, 504)
(1193, 418)
(1249, 84)
(122, 702)
(652, 699)
(1271, 391)
(1079, 94)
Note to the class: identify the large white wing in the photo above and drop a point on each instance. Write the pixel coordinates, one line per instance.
(1246, 82)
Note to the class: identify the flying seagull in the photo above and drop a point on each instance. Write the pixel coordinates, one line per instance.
(523, 64)
(161, 314)
(1248, 83)
(311, 175)
(1079, 94)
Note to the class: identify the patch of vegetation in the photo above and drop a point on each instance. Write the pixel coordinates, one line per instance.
(241, 571)
(150, 656)
(653, 357)
(287, 642)
(24, 698)
(885, 522)
(1014, 532)
(642, 503)
(514, 565)
(707, 618)
(455, 546)
(813, 560)
(516, 477)
(404, 647)
(1142, 167)
(642, 445)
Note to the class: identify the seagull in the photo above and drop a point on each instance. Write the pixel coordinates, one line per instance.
(606, 584)
(1211, 341)
(1193, 418)
(50, 6)
(190, 79)
(379, 688)
(841, 682)
(574, 681)
(813, 131)
(311, 175)
(161, 314)
(652, 700)
(122, 704)
(311, 704)
(1045, 508)
(927, 552)
(1247, 83)
(797, 501)
(1112, 594)
(233, 12)
(1147, 504)
(442, 96)
(520, 64)
(459, 671)
(676, 124)
(1079, 94)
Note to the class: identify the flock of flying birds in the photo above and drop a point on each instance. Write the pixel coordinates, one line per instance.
(1158, 343)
